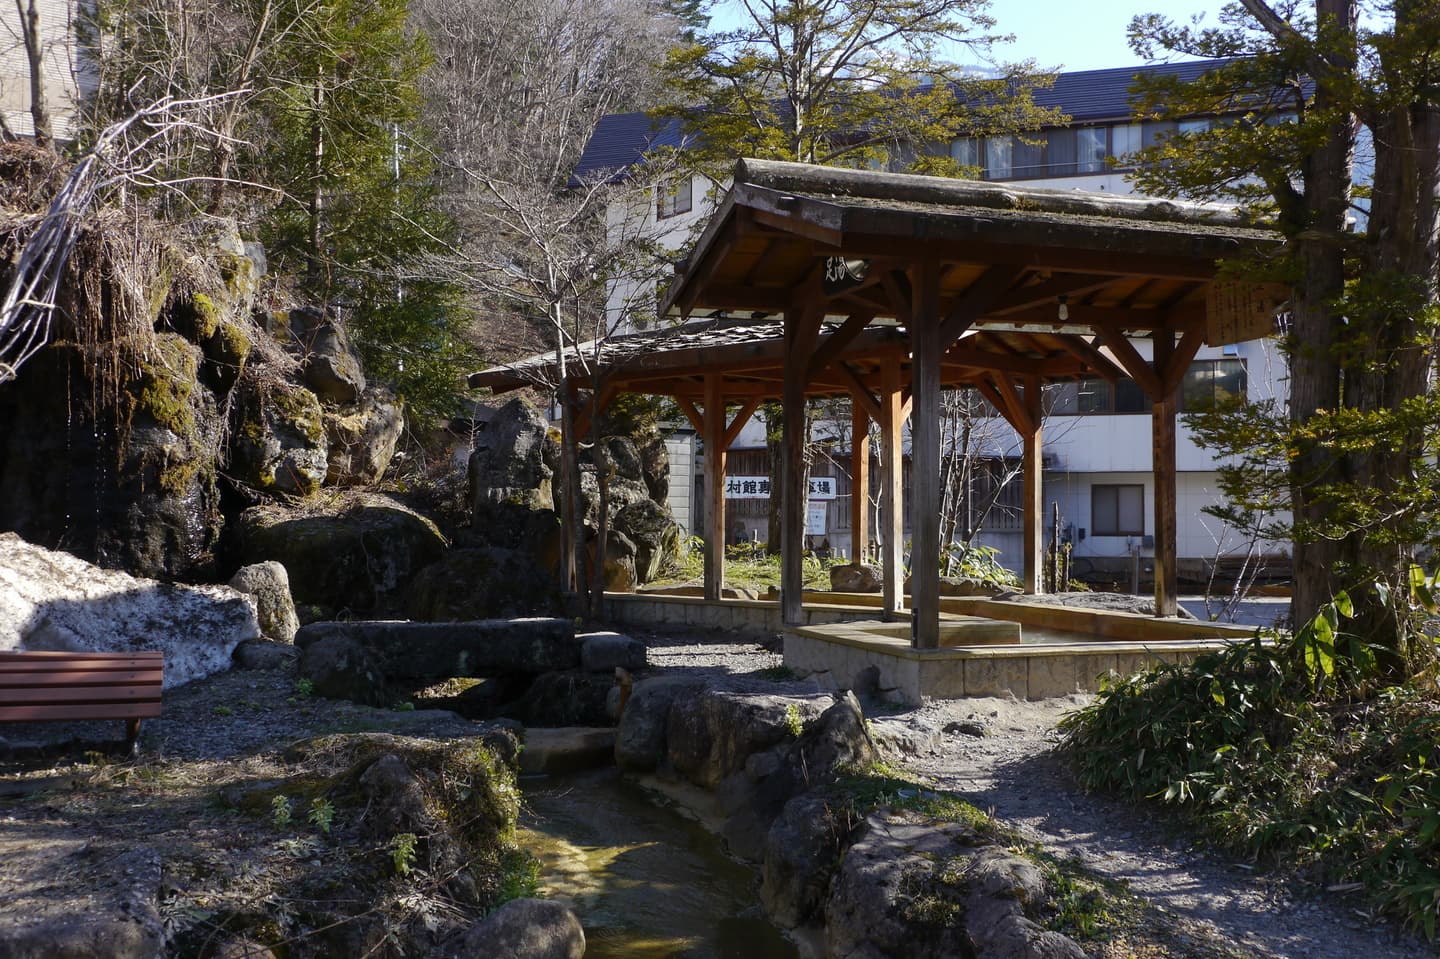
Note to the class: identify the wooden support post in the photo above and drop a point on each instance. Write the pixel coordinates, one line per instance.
(794, 490)
(892, 501)
(715, 448)
(1162, 424)
(1033, 465)
(925, 457)
(859, 483)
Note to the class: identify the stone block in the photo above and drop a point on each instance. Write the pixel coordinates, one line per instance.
(997, 677)
(1092, 670)
(604, 652)
(1051, 676)
(943, 678)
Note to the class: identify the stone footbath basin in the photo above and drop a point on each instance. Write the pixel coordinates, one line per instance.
(989, 647)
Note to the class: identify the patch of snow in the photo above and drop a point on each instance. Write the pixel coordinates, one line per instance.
(51, 600)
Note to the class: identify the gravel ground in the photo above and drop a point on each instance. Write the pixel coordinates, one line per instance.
(1013, 772)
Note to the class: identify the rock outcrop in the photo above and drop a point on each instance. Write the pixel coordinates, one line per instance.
(52, 600)
(520, 929)
(268, 585)
(359, 554)
(483, 583)
(513, 474)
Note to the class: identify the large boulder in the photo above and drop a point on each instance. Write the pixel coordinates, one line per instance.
(269, 586)
(752, 798)
(655, 467)
(520, 929)
(656, 536)
(711, 736)
(331, 366)
(363, 437)
(54, 601)
(279, 445)
(856, 578)
(358, 553)
(908, 887)
(512, 467)
(802, 849)
(640, 739)
(426, 652)
(122, 474)
(483, 583)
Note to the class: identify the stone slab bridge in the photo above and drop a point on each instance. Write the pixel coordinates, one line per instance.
(888, 288)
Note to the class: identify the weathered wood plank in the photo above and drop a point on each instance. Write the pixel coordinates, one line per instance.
(1033, 464)
(892, 500)
(926, 331)
(859, 481)
(1162, 420)
(715, 453)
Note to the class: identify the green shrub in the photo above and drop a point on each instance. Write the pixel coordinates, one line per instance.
(1270, 760)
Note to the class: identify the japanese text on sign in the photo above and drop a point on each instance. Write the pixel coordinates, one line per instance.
(758, 487)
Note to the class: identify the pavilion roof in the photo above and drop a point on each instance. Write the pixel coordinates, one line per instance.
(1009, 257)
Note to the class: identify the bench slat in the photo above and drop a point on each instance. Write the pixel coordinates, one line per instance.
(97, 665)
(32, 680)
(77, 654)
(81, 694)
(33, 712)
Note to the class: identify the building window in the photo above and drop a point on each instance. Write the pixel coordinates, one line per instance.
(1211, 382)
(1098, 397)
(998, 151)
(1125, 141)
(966, 152)
(1117, 510)
(1091, 149)
(674, 198)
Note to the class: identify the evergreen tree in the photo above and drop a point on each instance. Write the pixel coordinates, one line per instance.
(1354, 453)
(847, 83)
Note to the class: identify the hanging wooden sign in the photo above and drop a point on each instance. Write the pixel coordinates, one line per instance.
(1236, 312)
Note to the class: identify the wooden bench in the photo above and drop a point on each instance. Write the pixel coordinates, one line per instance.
(38, 686)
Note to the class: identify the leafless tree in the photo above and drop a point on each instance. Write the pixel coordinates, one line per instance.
(517, 93)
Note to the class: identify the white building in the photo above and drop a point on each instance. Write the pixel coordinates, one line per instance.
(1098, 438)
(65, 74)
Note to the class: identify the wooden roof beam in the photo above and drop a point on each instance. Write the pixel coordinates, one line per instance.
(1132, 362)
(1082, 350)
(976, 299)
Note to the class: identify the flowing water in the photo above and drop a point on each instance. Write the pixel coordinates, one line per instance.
(646, 882)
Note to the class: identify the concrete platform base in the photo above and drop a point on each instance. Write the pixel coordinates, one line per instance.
(835, 656)
(989, 647)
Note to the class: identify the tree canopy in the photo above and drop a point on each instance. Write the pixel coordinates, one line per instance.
(1312, 99)
(848, 83)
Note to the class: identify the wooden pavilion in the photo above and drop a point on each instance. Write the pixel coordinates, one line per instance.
(887, 288)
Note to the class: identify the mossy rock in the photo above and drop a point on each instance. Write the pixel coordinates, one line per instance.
(359, 554)
(280, 444)
(226, 351)
(483, 583)
(401, 816)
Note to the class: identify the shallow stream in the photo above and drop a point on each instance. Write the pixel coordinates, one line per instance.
(646, 881)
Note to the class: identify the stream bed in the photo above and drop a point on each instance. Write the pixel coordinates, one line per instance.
(646, 881)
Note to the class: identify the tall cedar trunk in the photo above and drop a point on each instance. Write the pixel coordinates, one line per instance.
(35, 60)
(603, 466)
(1394, 362)
(317, 178)
(1314, 366)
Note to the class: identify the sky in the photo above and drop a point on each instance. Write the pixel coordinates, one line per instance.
(1062, 34)
(1081, 34)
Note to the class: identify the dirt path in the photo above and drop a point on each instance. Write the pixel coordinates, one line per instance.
(1014, 773)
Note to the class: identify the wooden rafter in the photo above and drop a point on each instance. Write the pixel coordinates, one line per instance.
(978, 297)
(1132, 362)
